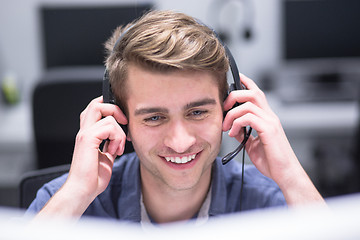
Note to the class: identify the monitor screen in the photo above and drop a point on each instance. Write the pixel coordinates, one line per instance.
(75, 35)
(321, 29)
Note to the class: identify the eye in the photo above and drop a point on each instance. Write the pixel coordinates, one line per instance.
(198, 114)
(154, 120)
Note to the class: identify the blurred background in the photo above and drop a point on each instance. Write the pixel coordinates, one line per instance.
(305, 55)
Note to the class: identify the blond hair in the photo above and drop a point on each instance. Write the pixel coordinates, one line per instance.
(164, 41)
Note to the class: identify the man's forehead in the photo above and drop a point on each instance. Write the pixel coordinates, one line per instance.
(162, 92)
(148, 108)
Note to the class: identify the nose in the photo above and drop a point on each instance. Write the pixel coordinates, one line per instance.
(179, 137)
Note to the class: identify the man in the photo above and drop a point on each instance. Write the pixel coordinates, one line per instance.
(168, 75)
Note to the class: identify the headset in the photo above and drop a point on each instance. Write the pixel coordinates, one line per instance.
(108, 95)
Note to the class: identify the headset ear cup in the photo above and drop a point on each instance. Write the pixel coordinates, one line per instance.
(232, 87)
(106, 87)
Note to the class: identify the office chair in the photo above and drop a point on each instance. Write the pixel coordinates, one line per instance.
(32, 181)
(58, 100)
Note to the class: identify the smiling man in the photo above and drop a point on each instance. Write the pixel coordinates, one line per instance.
(168, 76)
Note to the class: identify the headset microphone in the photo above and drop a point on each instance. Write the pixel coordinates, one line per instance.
(236, 85)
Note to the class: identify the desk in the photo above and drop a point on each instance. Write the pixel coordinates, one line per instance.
(316, 118)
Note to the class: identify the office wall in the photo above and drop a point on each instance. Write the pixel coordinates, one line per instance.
(20, 41)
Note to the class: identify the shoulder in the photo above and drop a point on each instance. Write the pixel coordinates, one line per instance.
(261, 191)
(258, 191)
(46, 192)
(252, 176)
(123, 168)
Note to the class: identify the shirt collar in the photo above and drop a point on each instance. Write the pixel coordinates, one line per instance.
(216, 199)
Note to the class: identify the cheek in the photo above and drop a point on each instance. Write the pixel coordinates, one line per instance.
(210, 132)
(142, 138)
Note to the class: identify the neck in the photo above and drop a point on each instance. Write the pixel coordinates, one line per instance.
(166, 204)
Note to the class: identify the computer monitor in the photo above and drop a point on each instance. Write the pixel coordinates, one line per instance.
(75, 35)
(321, 29)
(320, 50)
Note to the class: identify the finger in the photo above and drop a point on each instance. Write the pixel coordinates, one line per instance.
(267, 127)
(116, 146)
(95, 100)
(239, 112)
(121, 148)
(256, 97)
(247, 120)
(257, 93)
(115, 149)
(248, 82)
(237, 115)
(106, 164)
(85, 119)
(114, 111)
(109, 129)
(96, 110)
(239, 96)
(233, 98)
(105, 129)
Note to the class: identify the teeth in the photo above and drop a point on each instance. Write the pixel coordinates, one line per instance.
(180, 159)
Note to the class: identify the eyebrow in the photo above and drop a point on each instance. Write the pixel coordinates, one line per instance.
(143, 111)
(202, 102)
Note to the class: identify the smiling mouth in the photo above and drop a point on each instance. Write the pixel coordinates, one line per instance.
(181, 160)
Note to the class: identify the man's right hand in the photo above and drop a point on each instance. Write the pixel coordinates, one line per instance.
(91, 168)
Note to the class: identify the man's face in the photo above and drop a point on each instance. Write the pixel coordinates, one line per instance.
(175, 125)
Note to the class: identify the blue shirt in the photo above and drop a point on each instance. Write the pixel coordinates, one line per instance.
(121, 199)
